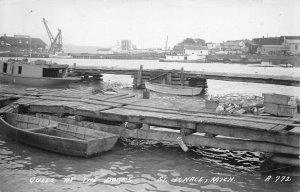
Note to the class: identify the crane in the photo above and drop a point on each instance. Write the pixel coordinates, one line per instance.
(56, 43)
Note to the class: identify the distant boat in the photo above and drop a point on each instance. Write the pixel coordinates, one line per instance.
(61, 55)
(37, 73)
(184, 58)
(173, 89)
(288, 65)
(263, 64)
(56, 137)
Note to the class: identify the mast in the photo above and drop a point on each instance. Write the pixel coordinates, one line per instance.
(166, 44)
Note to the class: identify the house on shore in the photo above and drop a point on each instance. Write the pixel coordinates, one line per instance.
(283, 45)
(234, 46)
(293, 42)
(22, 43)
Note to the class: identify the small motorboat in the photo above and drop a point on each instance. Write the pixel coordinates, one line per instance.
(39, 73)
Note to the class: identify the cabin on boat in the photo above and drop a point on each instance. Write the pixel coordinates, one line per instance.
(39, 68)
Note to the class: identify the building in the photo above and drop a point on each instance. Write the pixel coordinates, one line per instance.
(293, 42)
(268, 41)
(273, 49)
(278, 45)
(21, 44)
(195, 50)
(234, 45)
(251, 47)
(126, 45)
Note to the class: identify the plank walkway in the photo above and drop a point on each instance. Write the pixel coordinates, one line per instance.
(253, 133)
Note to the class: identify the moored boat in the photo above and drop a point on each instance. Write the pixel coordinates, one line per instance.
(173, 89)
(184, 58)
(61, 55)
(56, 137)
(288, 65)
(37, 73)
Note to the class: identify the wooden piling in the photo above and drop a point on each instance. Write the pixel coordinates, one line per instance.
(182, 76)
(169, 78)
(139, 77)
(146, 94)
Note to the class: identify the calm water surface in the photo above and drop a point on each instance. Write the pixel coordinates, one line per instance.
(146, 165)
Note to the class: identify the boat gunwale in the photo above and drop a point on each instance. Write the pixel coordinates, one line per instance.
(174, 86)
(83, 141)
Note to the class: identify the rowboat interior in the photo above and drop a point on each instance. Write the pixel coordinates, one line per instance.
(55, 136)
(48, 127)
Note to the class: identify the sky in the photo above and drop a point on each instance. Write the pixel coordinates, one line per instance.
(148, 23)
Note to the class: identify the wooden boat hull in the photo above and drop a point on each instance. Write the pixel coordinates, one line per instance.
(173, 89)
(37, 81)
(66, 142)
(183, 61)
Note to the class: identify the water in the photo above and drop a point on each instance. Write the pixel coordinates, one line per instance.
(146, 165)
(216, 87)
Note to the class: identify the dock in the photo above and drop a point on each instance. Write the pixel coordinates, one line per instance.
(183, 77)
(133, 117)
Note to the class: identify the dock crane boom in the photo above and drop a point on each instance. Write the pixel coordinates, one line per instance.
(56, 43)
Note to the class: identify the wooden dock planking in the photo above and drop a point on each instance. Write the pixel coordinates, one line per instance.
(141, 108)
(128, 109)
(190, 122)
(167, 109)
(124, 97)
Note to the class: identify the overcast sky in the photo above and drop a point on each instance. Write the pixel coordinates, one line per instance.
(147, 23)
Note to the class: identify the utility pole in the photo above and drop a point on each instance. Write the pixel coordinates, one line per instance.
(29, 47)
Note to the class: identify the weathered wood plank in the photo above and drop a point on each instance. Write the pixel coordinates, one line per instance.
(263, 135)
(194, 140)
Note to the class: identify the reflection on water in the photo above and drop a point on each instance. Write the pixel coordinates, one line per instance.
(138, 165)
(135, 165)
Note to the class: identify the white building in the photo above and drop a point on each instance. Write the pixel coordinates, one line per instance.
(195, 50)
(191, 53)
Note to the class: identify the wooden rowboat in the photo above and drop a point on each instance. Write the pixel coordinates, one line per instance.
(173, 89)
(56, 137)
